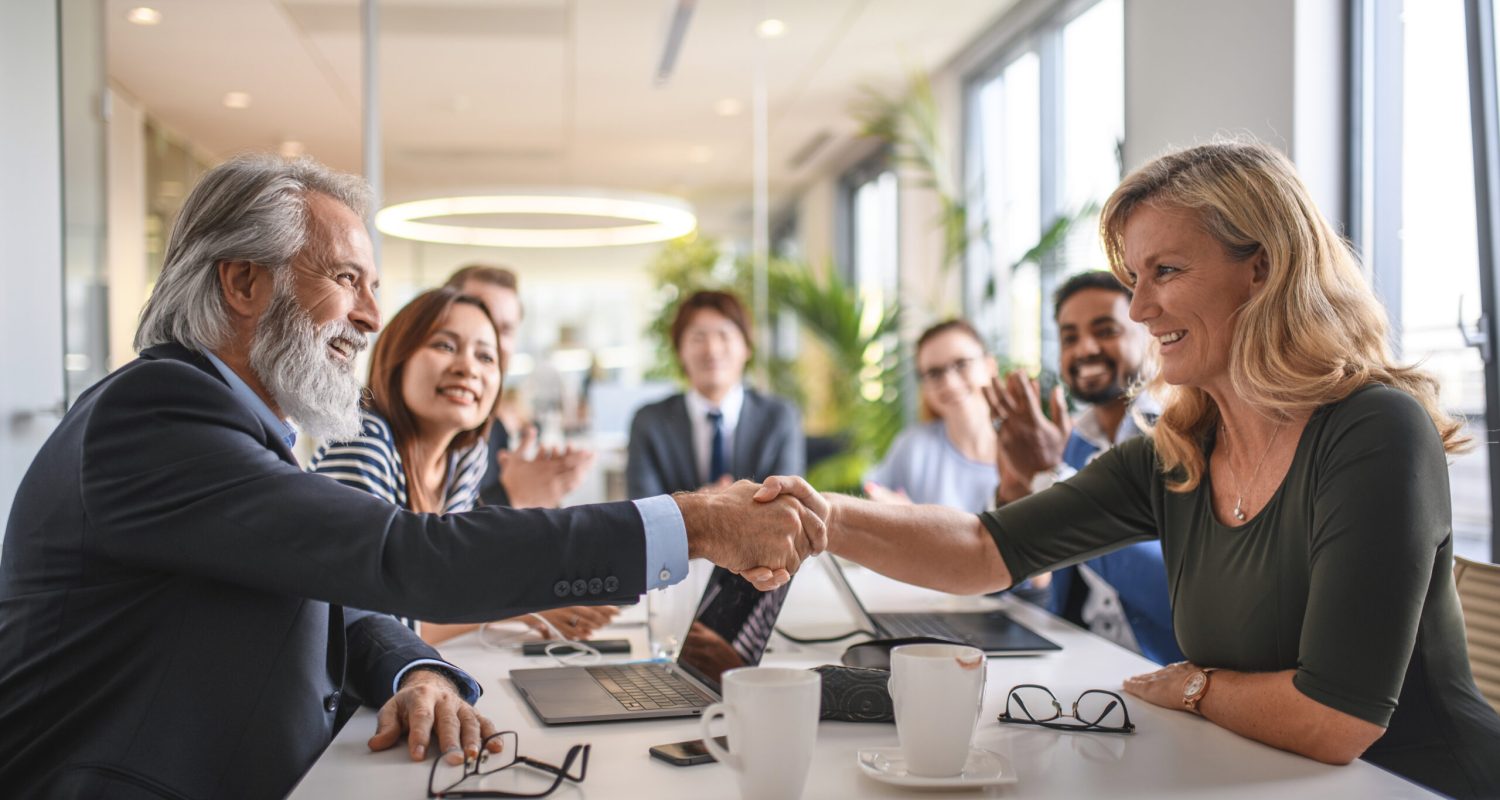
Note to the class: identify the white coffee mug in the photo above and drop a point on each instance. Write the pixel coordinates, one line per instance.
(773, 726)
(937, 690)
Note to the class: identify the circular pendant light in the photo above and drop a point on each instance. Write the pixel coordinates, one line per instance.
(643, 219)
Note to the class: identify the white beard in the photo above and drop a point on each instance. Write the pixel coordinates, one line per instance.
(291, 357)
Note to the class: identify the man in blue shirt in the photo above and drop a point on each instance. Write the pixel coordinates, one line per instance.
(1123, 595)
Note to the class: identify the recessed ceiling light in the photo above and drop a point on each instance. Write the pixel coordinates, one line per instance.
(648, 219)
(701, 154)
(728, 107)
(770, 28)
(237, 100)
(141, 15)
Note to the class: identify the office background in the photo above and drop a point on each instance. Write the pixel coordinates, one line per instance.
(107, 115)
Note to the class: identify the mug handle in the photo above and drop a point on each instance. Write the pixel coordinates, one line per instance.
(720, 754)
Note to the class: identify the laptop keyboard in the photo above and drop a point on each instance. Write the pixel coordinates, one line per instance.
(646, 686)
(901, 626)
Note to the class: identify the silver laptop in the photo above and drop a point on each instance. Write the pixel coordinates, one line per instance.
(991, 631)
(731, 628)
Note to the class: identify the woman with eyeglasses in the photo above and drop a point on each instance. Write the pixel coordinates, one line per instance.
(435, 377)
(1297, 478)
(950, 460)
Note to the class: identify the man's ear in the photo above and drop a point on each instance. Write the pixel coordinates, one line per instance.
(246, 286)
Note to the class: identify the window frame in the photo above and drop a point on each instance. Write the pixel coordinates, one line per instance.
(1043, 35)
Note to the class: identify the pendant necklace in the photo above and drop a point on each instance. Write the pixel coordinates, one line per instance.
(1239, 502)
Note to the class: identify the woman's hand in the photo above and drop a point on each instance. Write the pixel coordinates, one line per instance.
(1164, 686)
(881, 494)
(573, 622)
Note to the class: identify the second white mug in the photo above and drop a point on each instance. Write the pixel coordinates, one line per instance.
(937, 690)
(773, 727)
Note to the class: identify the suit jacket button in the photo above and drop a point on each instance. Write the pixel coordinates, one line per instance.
(595, 586)
(331, 703)
(611, 584)
(580, 587)
(561, 589)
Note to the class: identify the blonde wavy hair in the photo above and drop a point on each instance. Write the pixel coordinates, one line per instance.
(1311, 337)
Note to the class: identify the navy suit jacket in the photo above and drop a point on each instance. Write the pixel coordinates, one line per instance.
(768, 441)
(177, 596)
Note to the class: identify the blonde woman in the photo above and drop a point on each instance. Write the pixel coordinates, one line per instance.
(1297, 478)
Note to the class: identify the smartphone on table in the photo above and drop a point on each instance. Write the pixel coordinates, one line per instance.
(567, 648)
(686, 754)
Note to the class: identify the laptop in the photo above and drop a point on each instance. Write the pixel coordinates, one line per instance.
(994, 632)
(731, 628)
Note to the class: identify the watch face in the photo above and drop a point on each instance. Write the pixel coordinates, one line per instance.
(1194, 684)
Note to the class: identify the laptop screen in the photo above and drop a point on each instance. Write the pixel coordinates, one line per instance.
(731, 629)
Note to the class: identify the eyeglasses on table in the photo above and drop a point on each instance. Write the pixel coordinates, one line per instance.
(1095, 710)
(446, 779)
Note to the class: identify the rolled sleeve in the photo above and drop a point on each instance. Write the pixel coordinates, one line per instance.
(666, 541)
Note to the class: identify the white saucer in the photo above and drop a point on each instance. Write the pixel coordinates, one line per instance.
(983, 768)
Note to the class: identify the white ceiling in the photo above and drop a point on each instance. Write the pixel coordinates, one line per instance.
(484, 94)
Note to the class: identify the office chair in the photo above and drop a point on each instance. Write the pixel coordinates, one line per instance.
(1479, 594)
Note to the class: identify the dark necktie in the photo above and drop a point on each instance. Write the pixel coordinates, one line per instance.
(716, 466)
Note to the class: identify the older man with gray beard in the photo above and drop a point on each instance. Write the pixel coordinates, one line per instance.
(177, 597)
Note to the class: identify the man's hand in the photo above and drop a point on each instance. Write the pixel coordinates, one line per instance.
(774, 534)
(427, 702)
(1030, 442)
(543, 480)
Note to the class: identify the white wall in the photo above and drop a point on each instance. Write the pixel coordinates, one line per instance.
(1272, 69)
(31, 302)
(126, 143)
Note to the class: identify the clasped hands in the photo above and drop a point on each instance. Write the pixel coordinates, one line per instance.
(761, 532)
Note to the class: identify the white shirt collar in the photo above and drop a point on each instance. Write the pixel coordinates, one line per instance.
(698, 406)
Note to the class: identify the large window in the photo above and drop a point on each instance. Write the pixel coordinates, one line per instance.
(1044, 129)
(1415, 219)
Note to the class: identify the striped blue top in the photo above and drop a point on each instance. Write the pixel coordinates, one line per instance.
(371, 463)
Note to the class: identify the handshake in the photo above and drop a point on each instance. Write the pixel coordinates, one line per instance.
(761, 532)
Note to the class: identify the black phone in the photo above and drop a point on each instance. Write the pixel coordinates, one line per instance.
(686, 754)
(566, 648)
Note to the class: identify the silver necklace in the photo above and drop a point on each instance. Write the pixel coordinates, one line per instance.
(1239, 502)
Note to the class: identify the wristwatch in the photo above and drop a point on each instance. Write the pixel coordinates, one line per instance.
(1196, 689)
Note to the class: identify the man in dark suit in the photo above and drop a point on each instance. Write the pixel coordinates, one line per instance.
(173, 586)
(719, 430)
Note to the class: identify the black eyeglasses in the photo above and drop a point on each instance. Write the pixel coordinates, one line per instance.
(1095, 710)
(449, 776)
(936, 374)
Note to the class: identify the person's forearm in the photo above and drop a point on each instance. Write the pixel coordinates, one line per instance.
(1266, 707)
(933, 546)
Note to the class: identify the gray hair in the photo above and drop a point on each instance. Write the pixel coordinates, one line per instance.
(250, 208)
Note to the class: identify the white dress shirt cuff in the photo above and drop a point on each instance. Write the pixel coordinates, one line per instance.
(466, 685)
(666, 541)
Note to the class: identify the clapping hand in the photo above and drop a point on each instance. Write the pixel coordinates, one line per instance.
(544, 479)
(1029, 441)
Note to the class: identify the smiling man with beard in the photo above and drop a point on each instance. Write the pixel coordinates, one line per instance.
(1123, 595)
(178, 597)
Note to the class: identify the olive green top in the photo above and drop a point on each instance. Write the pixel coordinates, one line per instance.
(1345, 576)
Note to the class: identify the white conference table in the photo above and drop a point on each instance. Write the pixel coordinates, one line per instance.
(1171, 754)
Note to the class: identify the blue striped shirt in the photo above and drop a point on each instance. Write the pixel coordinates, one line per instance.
(372, 463)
